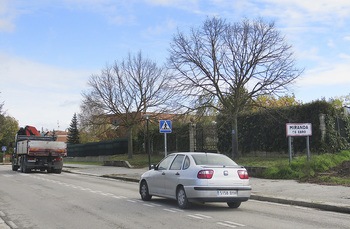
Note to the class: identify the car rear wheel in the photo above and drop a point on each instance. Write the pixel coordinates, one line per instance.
(234, 204)
(181, 197)
(144, 191)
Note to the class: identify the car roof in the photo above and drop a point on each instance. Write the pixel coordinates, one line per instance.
(194, 153)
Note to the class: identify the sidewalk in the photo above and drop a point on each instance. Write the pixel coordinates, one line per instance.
(330, 198)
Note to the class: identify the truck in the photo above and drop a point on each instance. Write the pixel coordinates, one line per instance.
(32, 151)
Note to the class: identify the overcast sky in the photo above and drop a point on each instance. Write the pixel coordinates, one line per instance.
(49, 48)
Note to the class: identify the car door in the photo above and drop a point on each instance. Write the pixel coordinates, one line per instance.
(157, 185)
(172, 175)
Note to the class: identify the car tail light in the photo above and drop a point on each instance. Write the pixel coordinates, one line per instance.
(58, 159)
(243, 174)
(205, 174)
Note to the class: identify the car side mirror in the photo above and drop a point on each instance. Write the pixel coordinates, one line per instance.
(155, 167)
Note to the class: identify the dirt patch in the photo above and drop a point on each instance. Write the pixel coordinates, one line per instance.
(343, 170)
(334, 176)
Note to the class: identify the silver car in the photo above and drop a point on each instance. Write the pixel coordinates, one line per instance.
(202, 177)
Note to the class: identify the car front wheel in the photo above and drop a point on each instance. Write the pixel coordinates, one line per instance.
(144, 191)
(182, 200)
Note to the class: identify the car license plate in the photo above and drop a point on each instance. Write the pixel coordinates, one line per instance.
(227, 193)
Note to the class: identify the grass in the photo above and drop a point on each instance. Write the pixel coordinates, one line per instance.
(335, 180)
(138, 160)
(301, 169)
(82, 163)
(261, 161)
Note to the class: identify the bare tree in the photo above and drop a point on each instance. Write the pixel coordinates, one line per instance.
(94, 125)
(128, 89)
(230, 64)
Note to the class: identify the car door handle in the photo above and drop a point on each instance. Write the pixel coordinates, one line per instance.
(177, 174)
(163, 173)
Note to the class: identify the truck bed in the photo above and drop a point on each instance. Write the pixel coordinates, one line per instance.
(41, 148)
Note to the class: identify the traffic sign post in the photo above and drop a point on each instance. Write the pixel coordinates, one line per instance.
(3, 154)
(165, 127)
(298, 130)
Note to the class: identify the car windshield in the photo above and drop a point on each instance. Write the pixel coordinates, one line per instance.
(213, 159)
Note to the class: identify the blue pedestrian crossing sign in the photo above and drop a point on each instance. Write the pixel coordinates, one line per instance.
(165, 126)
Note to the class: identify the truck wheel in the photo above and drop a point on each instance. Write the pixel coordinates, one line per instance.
(58, 171)
(14, 167)
(24, 165)
(21, 164)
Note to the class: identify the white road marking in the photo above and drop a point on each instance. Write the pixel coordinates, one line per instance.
(230, 224)
(203, 216)
(149, 205)
(226, 225)
(169, 210)
(173, 210)
(12, 224)
(195, 216)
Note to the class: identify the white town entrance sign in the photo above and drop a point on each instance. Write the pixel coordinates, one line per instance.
(299, 129)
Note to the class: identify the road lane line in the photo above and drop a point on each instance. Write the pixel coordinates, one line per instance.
(149, 205)
(12, 224)
(203, 216)
(169, 210)
(195, 216)
(226, 225)
(237, 224)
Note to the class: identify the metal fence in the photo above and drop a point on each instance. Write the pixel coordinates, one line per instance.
(102, 148)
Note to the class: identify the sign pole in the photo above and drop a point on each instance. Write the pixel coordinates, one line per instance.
(3, 154)
(308, 147)
(165, 145)
(290, 148)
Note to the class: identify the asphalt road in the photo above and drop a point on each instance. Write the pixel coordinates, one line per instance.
(40, 200)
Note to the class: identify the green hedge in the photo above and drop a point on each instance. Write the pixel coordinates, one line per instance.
(265, 130)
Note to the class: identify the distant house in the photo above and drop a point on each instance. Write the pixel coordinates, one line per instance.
(347, 110)
(61, 135)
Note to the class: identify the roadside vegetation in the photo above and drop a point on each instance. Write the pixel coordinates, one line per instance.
(331, 169)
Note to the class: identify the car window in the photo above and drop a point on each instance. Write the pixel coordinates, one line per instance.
(164, 164)
(177, 163)
(186, 163)
(212, 159)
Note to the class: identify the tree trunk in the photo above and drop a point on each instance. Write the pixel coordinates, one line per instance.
(130, 148)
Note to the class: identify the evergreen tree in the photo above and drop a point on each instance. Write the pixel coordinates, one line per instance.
(73, 135)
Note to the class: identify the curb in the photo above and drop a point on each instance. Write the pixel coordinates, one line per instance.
(320, 206)
(122, 178)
